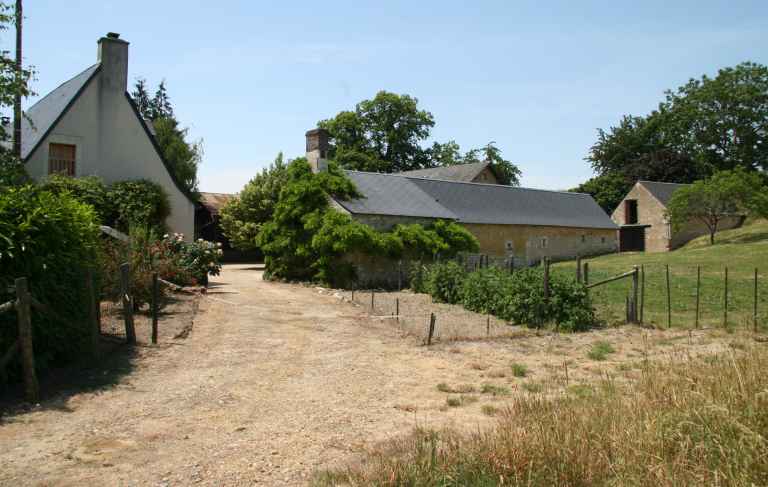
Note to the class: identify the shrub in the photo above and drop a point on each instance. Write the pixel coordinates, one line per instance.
(89, 190)
(600, 350)
(444, 282)
(483, 290)
(51, 240)
(519, 370)
(139, 202)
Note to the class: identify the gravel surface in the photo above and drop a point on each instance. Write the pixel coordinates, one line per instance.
(276, 381)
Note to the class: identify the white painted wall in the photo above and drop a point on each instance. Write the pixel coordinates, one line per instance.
(112, 144)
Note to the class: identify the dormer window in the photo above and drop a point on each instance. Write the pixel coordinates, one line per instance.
(61, 159)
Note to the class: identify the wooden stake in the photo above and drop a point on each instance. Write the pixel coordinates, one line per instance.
(373, 294)
(586, 273)
(754, 310)
(635, 293)
(431, 330)
(546, 287)
(669, 301)
(488, 326)
(95, 326)
(642, 293)
(698, 293)
(725, 299)
(155, 305)
(578, 268)
(397, 309)
(24, 316)
(125, 285)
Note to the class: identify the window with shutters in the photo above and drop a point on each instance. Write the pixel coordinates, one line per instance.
(61, 159)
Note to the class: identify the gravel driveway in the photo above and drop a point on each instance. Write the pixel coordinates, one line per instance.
(275, 381)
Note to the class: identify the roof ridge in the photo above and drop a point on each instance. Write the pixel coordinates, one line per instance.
(660, 182)
(403, 175)
(60, 85)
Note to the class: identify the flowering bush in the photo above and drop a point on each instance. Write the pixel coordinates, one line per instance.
(198, 259)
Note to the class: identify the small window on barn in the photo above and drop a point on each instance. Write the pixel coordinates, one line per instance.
(61, 159)
(544, 242)
(583, 238)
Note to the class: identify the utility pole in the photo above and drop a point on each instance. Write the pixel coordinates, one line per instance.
(18, 77)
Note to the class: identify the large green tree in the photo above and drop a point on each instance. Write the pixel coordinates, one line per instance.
(243, 216)
(13, 82)
(706, 125)
(183, 156)
(384, 133)
(725, 194)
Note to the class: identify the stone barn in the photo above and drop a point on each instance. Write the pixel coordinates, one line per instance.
(643, 223)
(509, 222)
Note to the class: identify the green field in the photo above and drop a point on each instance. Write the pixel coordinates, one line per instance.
(741, 250)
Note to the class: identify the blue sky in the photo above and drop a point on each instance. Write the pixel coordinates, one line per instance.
(539, 78)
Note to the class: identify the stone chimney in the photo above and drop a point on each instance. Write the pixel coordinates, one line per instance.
(113, 56)
(317, 149)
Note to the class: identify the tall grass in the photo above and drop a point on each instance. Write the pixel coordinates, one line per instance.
(698, 423)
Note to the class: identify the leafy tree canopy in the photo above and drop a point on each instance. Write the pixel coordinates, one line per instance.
(12, 83)
(386, 134)
(243, 216)
(704, 126)
(184, 157)
(725, 194)
(608, 190)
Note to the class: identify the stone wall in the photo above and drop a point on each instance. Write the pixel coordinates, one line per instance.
(530, 243)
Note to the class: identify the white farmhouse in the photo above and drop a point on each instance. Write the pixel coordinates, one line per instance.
(90, 126)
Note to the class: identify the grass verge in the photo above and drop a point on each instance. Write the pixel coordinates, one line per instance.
(703, 422)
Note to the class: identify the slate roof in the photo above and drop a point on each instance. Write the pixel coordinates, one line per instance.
(400, 195)
(214, 202)
(661, 191)
(45, 113)
(459, 172)
(390, 194)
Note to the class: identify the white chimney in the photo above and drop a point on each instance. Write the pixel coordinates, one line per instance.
(113, 56)
(317, 149)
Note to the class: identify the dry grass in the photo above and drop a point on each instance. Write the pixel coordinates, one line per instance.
(697, 422)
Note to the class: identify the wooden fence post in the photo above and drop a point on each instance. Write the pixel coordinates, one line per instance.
(586, 273)
(397, 309)
(669, 301)
(725, 299)
(431, 330)
(642, 293)
(578, 268)
(698, 294)
(488, 326)
(373, 294)
(92, 314)
(155, 305)
(754, 310)
(546, 288)
(23, 314)
(125, 286)
(635, 293)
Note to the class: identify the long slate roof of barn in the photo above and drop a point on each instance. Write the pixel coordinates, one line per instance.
(401, 195)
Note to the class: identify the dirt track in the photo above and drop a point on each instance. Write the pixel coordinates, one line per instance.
(278, 380)
(274, 381)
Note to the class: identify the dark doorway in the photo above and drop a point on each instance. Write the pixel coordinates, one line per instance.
(632, 239)
(630, 212)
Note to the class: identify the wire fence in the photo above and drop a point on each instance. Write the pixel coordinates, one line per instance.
(412, 313)
(687, 296)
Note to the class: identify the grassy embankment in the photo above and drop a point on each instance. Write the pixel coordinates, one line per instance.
(742, 250)
(698, 422)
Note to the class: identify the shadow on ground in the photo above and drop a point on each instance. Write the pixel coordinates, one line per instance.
(58, 385)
